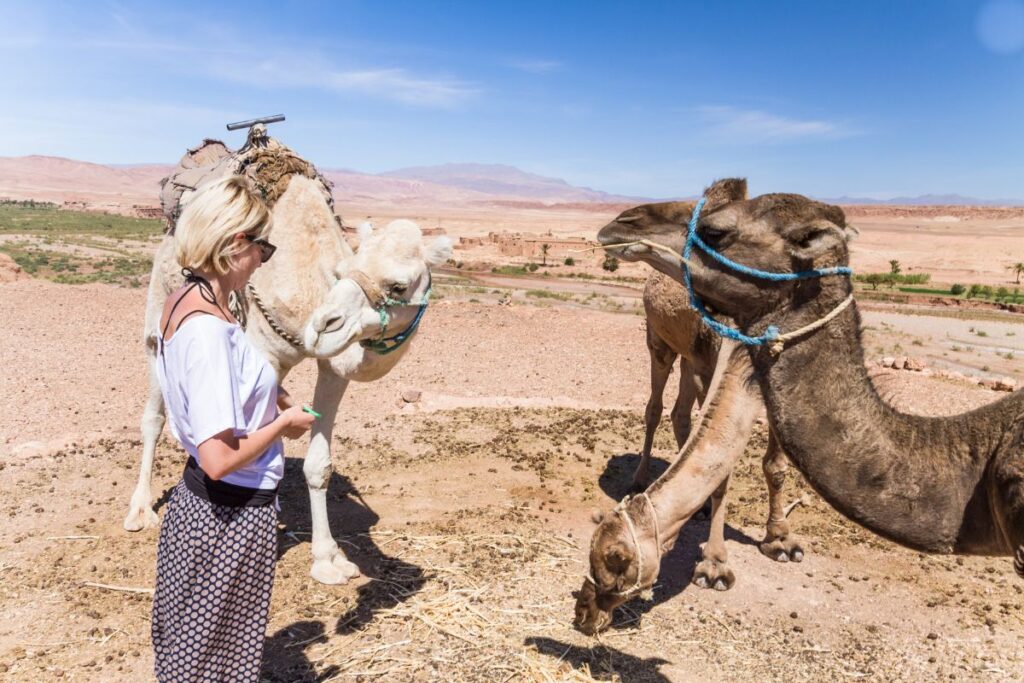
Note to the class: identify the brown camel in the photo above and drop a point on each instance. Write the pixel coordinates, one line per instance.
(952, 485)
(674, 329)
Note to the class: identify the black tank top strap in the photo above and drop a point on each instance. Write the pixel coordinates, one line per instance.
(196, 281)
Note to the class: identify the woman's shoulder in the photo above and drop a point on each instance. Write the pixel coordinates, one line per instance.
(204, 329)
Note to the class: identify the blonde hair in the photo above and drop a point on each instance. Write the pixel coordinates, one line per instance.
(204, 236)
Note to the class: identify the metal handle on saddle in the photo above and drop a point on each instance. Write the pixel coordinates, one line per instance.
(252, 122)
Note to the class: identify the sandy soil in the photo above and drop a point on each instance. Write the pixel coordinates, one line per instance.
(470, 511)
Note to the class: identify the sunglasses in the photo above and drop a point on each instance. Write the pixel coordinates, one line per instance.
(266, 248)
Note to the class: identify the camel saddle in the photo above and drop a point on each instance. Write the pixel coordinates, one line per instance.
(268, 164)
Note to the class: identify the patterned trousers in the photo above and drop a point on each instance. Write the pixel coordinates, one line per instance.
(214, 574)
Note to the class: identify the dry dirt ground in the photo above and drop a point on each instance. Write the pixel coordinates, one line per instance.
(468, 513)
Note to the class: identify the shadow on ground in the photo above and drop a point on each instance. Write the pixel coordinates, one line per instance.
(604, 662)
(284, 654)
(391, 580)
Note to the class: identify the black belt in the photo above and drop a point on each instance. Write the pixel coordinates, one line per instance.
(223, 493)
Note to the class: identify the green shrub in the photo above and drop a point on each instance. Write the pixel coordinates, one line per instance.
(570, 261)
(611, 264)
(957, 289)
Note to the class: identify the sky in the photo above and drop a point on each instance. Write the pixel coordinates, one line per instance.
(877, 98)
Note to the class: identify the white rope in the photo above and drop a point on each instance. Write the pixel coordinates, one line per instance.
(646, 243)
(622, 511)
(779, 342)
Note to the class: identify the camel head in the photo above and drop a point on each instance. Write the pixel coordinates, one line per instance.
(381, 291)
(614, 570)
(664, 223)
(779, 233)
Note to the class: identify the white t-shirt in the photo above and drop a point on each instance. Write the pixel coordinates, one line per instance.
(213, 378)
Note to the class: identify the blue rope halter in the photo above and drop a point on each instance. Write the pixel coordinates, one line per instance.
(382, 345)
(770, 334)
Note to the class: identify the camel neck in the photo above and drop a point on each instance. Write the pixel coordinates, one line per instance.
(905, 477)
(713, 448)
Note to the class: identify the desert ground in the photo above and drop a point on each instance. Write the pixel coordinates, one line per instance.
(468, 510)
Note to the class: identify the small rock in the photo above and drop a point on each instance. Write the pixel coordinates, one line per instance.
(915, 364)
(793, 615)
(798, 628)
(1004, 384)
(933, 636)
(411, 395)
(888, 362)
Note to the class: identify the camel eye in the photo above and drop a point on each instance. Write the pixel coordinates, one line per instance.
(711, 235)
(399, 288)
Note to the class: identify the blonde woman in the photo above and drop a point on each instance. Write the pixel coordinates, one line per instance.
(218, 542)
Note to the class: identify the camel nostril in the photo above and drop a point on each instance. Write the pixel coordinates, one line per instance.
(331, 324)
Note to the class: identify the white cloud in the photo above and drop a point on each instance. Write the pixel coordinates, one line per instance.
(536, 66)
(752, 126)
(310, 72)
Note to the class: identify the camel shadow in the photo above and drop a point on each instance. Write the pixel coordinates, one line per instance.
(617, 478)
(391, 580)
(284, 657)
(605, 663)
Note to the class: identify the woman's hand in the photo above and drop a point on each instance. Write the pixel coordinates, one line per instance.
(297, 422)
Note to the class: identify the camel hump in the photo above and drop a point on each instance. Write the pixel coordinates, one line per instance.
(269, 166)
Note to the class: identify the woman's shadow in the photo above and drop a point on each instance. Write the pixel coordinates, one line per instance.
(677, 565)
(391, 580)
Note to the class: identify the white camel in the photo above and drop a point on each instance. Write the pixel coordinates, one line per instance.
(353, 312)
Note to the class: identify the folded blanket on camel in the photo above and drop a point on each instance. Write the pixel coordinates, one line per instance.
(268, 164)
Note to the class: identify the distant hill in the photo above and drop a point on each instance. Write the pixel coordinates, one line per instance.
(507, 181)
(60, 180)
(927, 200)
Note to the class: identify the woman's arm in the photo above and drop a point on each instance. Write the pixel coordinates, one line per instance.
(223, 453)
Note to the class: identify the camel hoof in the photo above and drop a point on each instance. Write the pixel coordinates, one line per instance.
(334, 571)
(787, 549)
(329, 572)
(141, 518)
(713, 574)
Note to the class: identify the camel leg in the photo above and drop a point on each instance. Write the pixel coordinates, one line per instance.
(662, 358)
(778, 544)
(140, 513)
(330, 565)
(713, 569)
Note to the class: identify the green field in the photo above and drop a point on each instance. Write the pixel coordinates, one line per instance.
(75, 247)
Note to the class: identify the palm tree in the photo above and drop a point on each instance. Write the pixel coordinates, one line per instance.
(544, 249)
(1018, 269)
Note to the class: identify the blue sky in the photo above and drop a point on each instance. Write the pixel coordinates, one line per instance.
(873, 98)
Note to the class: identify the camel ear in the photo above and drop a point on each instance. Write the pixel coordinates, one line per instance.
(438, 251)
(596, 516)
(851, 233)
(724, 191)
(617, 557)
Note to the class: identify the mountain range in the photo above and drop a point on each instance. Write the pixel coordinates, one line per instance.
(60, 180)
